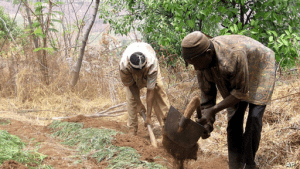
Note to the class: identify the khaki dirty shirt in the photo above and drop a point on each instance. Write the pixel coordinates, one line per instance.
(245, 69)
(149, 74)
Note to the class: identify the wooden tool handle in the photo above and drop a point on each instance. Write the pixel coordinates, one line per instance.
(152, 137)
(192, 106)
(151, 134)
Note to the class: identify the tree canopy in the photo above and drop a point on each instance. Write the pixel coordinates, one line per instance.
(165, 22)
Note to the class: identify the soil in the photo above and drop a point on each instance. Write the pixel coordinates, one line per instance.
(62, 156)
(11, 164)
(179, 153)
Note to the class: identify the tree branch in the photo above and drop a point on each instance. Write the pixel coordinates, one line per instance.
(76, 69)
(248, 17)
(298, 93)
(12, 24)
(30, 9)
(242, 14)
(8, 31)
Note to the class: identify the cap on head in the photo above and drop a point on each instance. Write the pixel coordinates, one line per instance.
(137, 60)
(194, 44)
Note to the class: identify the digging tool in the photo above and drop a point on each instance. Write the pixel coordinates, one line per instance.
(152, 137)
(181, 129)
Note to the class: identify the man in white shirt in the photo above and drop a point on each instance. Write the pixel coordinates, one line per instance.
(139, 68)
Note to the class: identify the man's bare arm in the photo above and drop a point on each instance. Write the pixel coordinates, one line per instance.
(136, 93)
(208, 115)
(150, 98)
(229, 101)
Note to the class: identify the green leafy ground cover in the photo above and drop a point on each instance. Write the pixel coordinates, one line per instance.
(97, 143)
(12, 148)
(4, 122)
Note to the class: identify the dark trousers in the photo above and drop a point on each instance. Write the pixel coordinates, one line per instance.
(242, 146)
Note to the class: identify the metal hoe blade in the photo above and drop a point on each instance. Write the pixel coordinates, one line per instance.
(190, 134)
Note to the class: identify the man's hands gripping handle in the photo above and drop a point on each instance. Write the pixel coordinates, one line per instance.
(148, 125)
(206, 117)
(142, 111)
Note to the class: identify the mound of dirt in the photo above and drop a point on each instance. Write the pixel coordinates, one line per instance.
(60, 156)
(11, 164)
(143, 146)
(179, 153)
(160, 155)
(98, 123)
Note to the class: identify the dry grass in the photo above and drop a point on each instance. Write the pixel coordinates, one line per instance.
(24, 97)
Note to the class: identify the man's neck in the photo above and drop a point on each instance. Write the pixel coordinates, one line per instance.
(214, 61)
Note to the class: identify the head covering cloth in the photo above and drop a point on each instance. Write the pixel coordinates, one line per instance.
(194, 44)
(137, 60)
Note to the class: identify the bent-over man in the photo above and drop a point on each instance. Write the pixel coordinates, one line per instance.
(139, 68)
(243, 70)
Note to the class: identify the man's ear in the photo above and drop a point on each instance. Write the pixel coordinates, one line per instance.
(209, 51)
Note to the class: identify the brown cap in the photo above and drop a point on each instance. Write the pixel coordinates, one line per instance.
(194, 44)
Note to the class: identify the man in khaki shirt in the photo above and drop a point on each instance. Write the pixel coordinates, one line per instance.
(243, 70)
(139, 68)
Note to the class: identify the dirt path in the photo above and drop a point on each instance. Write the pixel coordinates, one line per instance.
(62, 156)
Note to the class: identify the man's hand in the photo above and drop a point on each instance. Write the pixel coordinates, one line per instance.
(147, 121)
(140, 108)
(207, 120)
(149, 100)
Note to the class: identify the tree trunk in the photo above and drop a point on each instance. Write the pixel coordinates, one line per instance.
(12, 75)
(65, 36)
(80, 27)
(35, 40)
(43, 57)
(76, 69)
(77, 39)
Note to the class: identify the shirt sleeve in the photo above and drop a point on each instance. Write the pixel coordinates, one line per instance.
(152, 77)
(240, 81)
(208, 89)
(126, 77)
(152, 73)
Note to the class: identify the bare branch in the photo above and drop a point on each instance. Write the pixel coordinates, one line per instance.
(248, 17)
(104, 111)
(294, 128)
(110, 114)
(77, 66)
(12, 24)
(30, 9)
(298, 93)
(34, 110)
(77, 23)
(8, 31)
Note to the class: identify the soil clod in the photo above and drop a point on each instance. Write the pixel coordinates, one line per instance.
(11, 164)
(179, 153)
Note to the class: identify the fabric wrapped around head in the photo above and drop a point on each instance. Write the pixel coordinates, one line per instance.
(194, 44)
(137, 60)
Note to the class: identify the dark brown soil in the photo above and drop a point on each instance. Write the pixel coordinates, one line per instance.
(58, 155)
(180, 154)
(11, 164)
(61, 156)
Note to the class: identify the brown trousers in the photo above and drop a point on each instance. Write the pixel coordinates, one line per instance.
(161, 105)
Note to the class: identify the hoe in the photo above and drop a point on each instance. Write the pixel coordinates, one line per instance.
(180, 129)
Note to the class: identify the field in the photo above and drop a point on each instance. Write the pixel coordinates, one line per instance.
(95, 134)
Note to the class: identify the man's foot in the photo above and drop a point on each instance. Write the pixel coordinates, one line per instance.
(133, 132)
(251, 167)
(235, 166)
